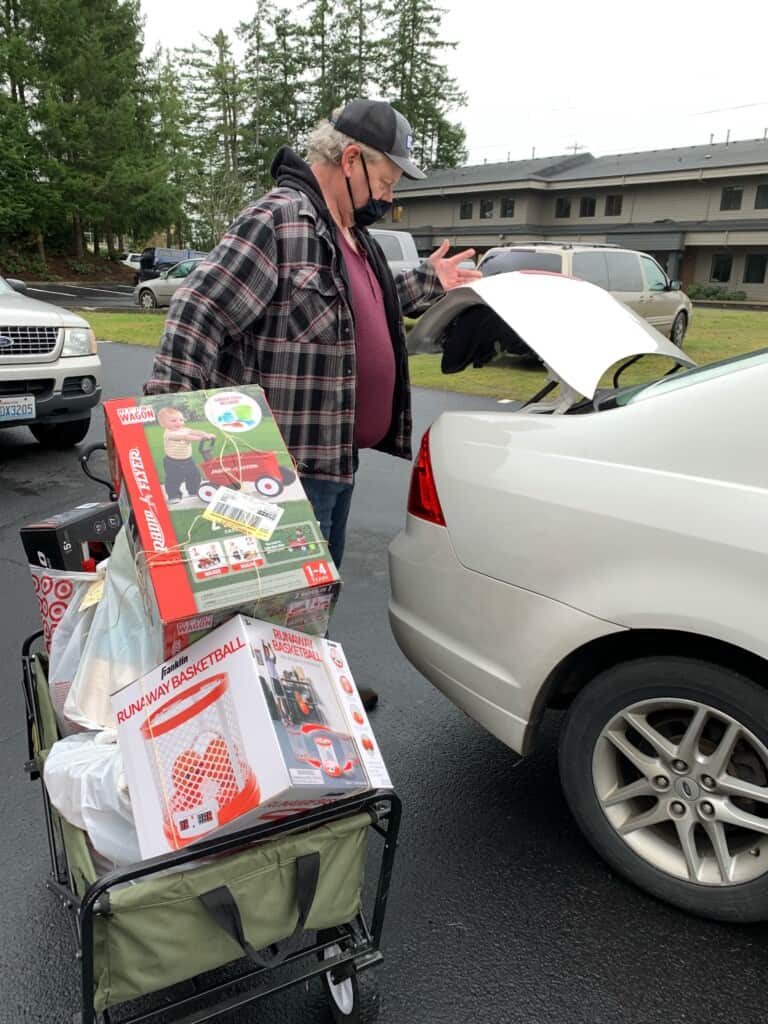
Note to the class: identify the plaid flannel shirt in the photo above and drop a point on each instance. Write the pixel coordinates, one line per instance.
(270, 306)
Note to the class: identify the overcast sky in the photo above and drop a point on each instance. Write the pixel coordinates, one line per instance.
(604, 75)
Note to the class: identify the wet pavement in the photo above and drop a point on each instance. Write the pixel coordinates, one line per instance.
(499, 911)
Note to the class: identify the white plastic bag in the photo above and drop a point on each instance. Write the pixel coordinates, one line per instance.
(67, 646)
(86, 783)
(122, 644)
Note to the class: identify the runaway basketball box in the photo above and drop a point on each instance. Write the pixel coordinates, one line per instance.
(217, 518)
(253, 723)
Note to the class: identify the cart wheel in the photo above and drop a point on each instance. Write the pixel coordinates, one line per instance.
(288, 476)
(205, 492)
(343, 996)
(268, 486)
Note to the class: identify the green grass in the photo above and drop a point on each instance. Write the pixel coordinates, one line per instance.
(132, 328)
(714, 334)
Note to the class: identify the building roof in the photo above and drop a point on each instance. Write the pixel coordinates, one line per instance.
(584, 166)
(660, 161)
(545, 167)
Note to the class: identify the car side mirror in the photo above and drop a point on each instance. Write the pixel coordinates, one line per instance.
(675, 286)
(163, 274)
(18, 286)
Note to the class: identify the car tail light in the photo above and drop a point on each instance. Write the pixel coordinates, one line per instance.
(422, 497)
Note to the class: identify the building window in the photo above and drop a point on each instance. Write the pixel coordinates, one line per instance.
(562, 207)
(754, 268)
(587, 206)
(613, 206)
(486, 209)
(507, 207)
(721, 268)
(465, 209)
(761, 197)
(730, 197)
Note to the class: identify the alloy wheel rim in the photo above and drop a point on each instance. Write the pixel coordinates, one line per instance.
(685, 786)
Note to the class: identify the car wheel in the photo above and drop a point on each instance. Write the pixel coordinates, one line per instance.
(147, 299)
(61, 435)
(664, 763)
(679, 327)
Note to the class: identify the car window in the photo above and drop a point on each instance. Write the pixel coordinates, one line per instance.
(624, 272)
(502, 261)
(687, 378)
(180, 270)
(591, 266)
(655, 277)
(390, 246)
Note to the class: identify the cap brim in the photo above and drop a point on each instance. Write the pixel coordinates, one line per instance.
(410, 170)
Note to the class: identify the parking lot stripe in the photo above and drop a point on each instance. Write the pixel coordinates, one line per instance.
(48, 291)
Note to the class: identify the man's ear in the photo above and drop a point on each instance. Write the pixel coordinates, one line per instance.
(349, 158)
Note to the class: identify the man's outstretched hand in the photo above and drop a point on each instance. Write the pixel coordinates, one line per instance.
(449, 272)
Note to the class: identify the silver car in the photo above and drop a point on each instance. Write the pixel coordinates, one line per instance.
(50, 371)
(605, 553)
(159, 291)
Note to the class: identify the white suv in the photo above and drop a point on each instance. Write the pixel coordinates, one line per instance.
(50, 371)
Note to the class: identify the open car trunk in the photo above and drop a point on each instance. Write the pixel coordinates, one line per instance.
(577, 329)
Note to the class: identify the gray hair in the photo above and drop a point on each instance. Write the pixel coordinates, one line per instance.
(325, 145)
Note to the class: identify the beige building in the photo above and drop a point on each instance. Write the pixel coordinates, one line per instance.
(702, 211)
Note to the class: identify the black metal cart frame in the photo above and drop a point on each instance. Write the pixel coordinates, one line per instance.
(356, 945)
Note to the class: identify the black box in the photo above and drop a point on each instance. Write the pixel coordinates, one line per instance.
(66, 540)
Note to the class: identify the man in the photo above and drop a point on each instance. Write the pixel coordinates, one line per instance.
(298, 297)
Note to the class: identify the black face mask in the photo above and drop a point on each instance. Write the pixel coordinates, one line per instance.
(373, 210)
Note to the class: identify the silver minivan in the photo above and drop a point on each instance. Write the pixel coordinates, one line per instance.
(634, 278)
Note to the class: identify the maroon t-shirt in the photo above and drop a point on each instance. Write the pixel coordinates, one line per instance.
(375, 355)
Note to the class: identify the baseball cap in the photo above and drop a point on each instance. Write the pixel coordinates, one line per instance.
(380, 126)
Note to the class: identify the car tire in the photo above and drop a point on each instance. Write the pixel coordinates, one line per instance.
(679, 327)
(147, 299)
(61, 435)
(664, 764)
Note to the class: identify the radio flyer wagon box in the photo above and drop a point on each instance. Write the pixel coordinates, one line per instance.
(217, 517)
(246, 725)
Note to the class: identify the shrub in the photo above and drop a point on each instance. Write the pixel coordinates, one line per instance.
(78, 267)
(23, 263)
(715, 293)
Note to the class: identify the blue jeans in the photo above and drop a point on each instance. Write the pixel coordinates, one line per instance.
(331, 501)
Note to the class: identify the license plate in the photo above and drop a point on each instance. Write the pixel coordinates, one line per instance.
(18, 407)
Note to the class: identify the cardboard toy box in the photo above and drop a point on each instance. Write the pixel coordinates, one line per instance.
(252, 723)
(217, 518)
(66, 540)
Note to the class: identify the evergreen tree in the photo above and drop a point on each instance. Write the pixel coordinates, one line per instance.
(416, 81)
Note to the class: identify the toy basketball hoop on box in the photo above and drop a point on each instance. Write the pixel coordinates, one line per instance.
(198, 765)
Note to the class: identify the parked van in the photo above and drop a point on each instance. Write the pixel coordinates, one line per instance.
(155, 259)
(634, 278)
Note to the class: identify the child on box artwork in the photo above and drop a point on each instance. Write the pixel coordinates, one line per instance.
(180, 467)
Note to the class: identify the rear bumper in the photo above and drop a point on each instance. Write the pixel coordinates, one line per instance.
(487, 645)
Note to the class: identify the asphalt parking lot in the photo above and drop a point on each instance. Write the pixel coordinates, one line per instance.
(499, 911)
(81, 296)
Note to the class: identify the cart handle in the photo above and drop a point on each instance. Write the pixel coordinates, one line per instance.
(223, 908)
(99, 446)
